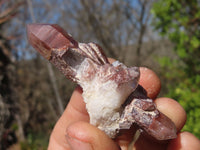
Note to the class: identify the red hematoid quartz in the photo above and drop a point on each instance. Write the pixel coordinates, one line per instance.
(113, 98)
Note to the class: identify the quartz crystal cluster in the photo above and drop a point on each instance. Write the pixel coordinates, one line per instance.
(113, 98)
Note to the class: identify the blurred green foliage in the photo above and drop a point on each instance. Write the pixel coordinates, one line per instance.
(35, 141)
(180, 22)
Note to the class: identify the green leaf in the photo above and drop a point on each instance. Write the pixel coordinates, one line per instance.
(195, 42)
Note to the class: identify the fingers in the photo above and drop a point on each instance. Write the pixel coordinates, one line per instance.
(82, 135)
(177, 114)
(75, 111)
(150, 82)
(173, 110)
(184, 141)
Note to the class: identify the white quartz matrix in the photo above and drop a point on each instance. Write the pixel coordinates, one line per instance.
(105, 88)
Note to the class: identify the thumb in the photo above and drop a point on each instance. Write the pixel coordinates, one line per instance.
(84, 136)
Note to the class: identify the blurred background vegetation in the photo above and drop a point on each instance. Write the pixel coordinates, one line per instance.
(161, 35)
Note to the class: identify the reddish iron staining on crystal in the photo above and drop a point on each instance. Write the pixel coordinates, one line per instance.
(113, 98)
(45, 37)
(144, 113)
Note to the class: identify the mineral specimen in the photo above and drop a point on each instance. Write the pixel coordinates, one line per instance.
(113, 98)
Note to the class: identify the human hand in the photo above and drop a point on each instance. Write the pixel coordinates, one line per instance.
(73, 131)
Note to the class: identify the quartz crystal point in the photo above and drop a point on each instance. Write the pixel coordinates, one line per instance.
(113, 98)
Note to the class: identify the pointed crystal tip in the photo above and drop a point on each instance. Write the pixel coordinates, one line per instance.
(45, 37)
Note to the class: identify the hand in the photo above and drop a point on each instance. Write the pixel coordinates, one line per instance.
(73, 131)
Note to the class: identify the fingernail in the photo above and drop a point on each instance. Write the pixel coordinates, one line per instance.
(76, 144)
